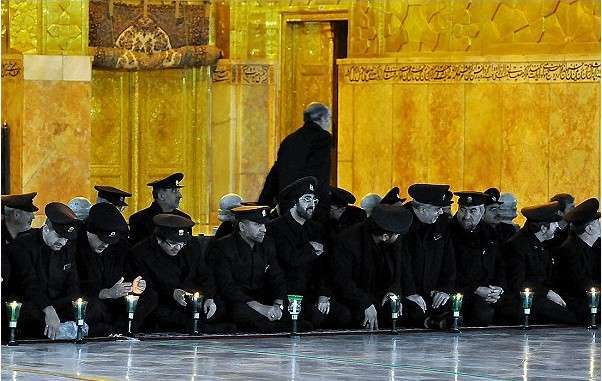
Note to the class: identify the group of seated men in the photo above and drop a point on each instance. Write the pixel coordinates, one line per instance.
(345, 261)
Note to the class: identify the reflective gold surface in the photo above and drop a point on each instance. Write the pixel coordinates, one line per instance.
(524, 133)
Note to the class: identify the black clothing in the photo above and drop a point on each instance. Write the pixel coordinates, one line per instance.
(366, 271)
(246, 274)
(225, 228)
(432, 258)
(505, 231)
(577, 272)
(304, 271)
(305, 152)
(43, 278)
(141, 222)
(479, 263)
(164, 273)
(529, 265)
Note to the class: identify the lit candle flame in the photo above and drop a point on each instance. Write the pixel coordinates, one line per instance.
(527, 291)
(79, 301)
(594, 291)
(393, 297)
(196, 296)
(13, 305)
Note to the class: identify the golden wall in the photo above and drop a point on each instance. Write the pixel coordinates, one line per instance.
(473, 93)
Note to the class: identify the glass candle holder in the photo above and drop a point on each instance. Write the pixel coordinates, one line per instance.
(79, 311)
(456, 308)
(294, 308)
(593, 301)
(395, 303)
(132, 302)
(13, 309)
(527, 300)
(197, 301)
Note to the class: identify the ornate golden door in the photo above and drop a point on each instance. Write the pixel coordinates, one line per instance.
(307, 71)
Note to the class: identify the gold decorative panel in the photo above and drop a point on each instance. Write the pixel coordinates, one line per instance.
(533, 139)
(147, 125)
(48, 26)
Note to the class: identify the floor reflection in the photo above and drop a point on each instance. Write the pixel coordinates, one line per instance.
(539, 354)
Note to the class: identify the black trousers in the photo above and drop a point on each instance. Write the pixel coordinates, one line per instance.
(109, 316)
(338, 317)
(477, 312)
(413, 316)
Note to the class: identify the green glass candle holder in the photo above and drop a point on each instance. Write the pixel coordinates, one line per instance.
(13, 309)
(79, 311)
(593, 298)
(395, 303)
(456, 310)
(526, 297)
(131, 302)
(294, 308)
(197, 301)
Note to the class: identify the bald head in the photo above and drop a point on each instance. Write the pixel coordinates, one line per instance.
(80, 206)
(226, 204)
(317, 113)
(369, 202)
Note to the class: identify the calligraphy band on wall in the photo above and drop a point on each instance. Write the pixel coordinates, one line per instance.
(569, 71)
(246, 74)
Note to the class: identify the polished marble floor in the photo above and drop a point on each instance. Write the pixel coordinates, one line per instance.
(504, 354)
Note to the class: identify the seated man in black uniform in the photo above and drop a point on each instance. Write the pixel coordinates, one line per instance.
(101, 261)
(304, 258)
(174, 267)
(481, 276)
(343, 214)
(370, 259)
(166, 199)
(432, 257)
(45, 272)
(578, 269)
(248, 274)
(529, 264)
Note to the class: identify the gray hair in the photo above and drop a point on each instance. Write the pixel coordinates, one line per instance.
(80, 206)
(314, 112)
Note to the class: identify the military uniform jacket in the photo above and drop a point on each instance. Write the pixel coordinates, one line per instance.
(478, 258)
(365, 271)
(305, 152)
(432, 258)
(141, 222)
(528, 263)
(100, 270)
(163, 273)
(505, 232)
(45, 277)
(303, 269)
(578, 267)
(245, 274)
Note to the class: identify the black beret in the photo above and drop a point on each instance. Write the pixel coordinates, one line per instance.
(433, 194)
(392, 197)
(341, 197)
(296, 189)
(472, 198)
(20, 201)
(563, 199)
(494, 196)
(173, 227)
(113, 195)
(584, 213)
(391, 218)
(256, 213)
(64, 222)
(171, 181)
(106, 222)
(548, 212)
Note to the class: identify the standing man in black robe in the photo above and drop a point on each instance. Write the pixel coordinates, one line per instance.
(371, 263)
(529, 264)
(481, 276)
(432, 257)
(102, 264)
(305, 152)
(46, 273)
(304, 258)
(174, 267)
(167, 196)
(578, 267)
(248, 275)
